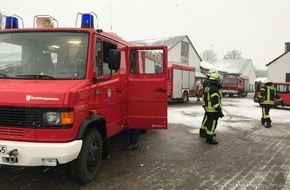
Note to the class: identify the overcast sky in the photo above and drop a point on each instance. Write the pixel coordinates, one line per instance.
(256, 28)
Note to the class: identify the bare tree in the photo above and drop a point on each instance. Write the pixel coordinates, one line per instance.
(209, 55)
(234, 54)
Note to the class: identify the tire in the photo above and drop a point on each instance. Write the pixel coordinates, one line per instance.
(87, 164)
(184, 97)
(245, 94)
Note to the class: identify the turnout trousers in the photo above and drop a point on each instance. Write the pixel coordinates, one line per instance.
(265, 114)
(210, 123)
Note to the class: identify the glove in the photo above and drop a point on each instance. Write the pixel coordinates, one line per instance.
(221, 115)
(281, 103)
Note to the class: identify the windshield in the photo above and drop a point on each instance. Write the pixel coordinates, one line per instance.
(43, 55)
(229, 81)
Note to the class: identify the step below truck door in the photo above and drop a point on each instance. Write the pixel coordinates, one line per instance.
(147, 87)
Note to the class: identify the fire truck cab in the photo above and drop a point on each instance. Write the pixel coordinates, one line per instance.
(66, 91)
(234, 84)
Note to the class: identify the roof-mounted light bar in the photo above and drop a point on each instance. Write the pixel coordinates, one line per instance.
(11, 22)
(44, 21)
(87, 20)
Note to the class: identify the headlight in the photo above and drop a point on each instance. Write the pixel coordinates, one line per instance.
(58, 118)
(52, 118)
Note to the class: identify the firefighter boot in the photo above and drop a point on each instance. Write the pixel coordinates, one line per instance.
(262, 121)
(202, 133)
(210, 140)
(268, 125)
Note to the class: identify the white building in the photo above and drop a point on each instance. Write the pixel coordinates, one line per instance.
(243, 67)
(279, 68)
(180, 50)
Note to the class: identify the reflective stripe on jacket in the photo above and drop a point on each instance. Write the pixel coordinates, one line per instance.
(211, 99)
(268, 94)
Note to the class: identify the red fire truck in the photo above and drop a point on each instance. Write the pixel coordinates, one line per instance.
(66, 91)
(234, 84)
(180, 83)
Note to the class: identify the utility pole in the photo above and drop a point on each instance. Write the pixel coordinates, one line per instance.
(111, 18)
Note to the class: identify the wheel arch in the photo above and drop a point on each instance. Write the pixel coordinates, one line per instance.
(95, 122)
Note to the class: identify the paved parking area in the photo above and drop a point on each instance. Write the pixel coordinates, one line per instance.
(253, 158)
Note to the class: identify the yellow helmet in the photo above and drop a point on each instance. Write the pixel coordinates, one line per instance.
(215, 76)
(211, 71)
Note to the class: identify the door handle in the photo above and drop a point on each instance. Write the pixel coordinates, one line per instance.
(118, 91)
(161, 90)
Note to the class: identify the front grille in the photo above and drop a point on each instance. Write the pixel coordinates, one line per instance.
(21, 116)
(5, 131)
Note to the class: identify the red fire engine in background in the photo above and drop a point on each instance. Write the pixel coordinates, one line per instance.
(66, 91)
(234, 84)
(181, 82)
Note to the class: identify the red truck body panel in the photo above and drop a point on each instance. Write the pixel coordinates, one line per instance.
(181, 81)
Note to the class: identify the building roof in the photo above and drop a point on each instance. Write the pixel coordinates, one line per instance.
(170, 42)
(234, 66)
(277, 58)
(207, 65)
(199, 75)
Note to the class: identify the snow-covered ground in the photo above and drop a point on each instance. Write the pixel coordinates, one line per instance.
(240, 113)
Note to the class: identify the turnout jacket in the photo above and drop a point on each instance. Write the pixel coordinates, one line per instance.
(211, 99)
(268, 94)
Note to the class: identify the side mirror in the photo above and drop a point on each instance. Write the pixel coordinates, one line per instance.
(115, 59)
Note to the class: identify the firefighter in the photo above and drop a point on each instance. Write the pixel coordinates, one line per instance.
(198, 91)
(211, 101)
(266, 99)
(202, 130)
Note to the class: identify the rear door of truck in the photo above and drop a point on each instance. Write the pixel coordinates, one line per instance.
(147, 87)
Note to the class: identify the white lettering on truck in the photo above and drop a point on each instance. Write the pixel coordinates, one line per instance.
(29, 97)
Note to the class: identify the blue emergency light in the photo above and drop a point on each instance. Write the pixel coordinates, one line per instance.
(87, 21)
(11, 22)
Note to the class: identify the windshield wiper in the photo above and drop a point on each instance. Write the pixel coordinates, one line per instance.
(38, 76)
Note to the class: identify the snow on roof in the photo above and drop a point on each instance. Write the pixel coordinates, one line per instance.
(168, 41)
(207, 65)
(232, 65)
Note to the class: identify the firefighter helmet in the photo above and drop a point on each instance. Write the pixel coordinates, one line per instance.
(215, 76)
(211, 71)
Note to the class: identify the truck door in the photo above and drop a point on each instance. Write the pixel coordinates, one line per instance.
(147, 87)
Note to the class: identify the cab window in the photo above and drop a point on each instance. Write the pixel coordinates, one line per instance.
(146, 61)
(102, 53)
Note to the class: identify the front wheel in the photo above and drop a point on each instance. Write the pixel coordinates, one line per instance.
(86, 166)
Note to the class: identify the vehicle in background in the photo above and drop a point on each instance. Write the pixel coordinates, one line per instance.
(180, 82)
(258, 85)
(234, 84)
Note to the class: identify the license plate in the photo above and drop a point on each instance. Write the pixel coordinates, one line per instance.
(3, 150)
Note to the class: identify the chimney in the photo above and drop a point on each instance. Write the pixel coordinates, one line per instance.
(287, 46)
